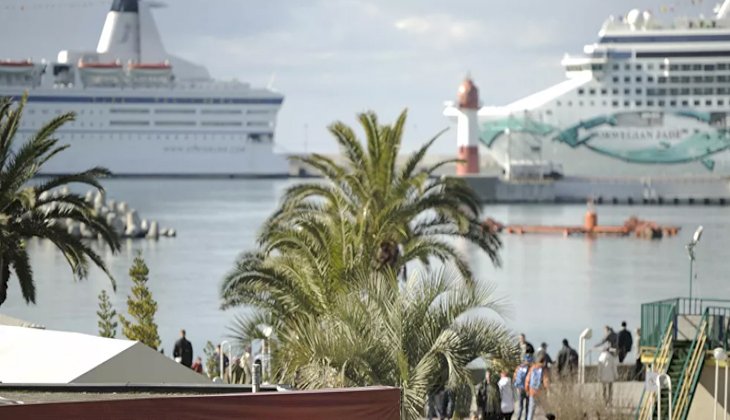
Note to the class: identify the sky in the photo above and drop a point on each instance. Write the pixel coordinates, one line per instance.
(335, 58)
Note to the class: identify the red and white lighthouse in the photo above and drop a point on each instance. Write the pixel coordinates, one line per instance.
(467, 129)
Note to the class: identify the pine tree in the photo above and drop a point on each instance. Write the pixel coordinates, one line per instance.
(107, 323)
(140, 306)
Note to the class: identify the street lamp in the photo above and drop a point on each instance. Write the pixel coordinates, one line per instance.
(266, 330)
(587, 334)
(691, 253)
(720, 355)
(230, 359)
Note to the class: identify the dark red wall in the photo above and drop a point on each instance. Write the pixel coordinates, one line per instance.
(352, 404)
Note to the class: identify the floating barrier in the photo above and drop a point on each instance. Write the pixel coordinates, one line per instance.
(633, 226)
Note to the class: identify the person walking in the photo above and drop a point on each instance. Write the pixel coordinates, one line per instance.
(638, 366)
(183, 351)
(506, 396)
(610, 338)
(488, 399)
(444, 403)
(519, 380)
(607, 372)
(536, 382)
(625, 342)
(542, 351)
(567, 360)
(525, 347)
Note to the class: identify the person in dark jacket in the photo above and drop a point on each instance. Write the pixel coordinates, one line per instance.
(183, 350)
(567, 360)
(610, 338)
(625, 342)
(441, 404)
(488, 399)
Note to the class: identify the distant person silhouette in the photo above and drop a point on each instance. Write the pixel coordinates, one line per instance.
(183, 351)
(625, 342)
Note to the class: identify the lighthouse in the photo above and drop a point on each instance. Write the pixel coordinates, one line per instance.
(467, 128)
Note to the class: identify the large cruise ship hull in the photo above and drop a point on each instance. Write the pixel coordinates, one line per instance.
(617, 144)
(159, 133)
(648, 99)
(141, 111)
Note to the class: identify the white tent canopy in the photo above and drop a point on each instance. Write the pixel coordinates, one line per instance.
(33, 356)
(15, 322)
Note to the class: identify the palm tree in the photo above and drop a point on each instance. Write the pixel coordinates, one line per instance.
(366, 215)
(400, 214)
(418, 336)
(37, 210)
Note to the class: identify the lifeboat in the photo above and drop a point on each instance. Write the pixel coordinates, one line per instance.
(150, 73)
(150, 66)
(19, 66)
(150, 69)
(99, 68)
(95, 73)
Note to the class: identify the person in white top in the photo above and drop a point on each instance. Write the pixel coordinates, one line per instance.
(506, 395)
(607, 372)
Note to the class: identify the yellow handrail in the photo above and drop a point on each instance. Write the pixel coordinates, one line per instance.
(660, 366)
(698, 353)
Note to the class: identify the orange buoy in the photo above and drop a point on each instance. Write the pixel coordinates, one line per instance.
(590, 220)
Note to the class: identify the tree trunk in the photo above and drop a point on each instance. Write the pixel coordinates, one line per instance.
(4, 278)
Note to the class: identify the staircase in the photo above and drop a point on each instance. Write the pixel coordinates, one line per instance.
(674, 370)
(681, 360)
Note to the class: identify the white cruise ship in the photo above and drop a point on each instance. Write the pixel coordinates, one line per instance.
(648, 98)
(141, 111)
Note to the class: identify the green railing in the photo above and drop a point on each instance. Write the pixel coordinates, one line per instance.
(654, 315)
(659, 323)
(687, 383)
(719, 327)
(662, 356)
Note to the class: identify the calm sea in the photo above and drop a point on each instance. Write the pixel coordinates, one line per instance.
(556, 286)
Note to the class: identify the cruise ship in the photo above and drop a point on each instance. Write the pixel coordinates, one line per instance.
(143, 112)
(648, 98)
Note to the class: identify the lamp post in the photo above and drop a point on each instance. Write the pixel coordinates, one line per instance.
(223, 343)
(691, 252)
(585, 335)
(658, 382)
(266, 330)
(508, 169)
(720, 355)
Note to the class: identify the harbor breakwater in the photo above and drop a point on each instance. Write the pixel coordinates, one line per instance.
(123, 219)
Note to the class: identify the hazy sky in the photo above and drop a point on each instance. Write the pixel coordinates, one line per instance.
(334, 58)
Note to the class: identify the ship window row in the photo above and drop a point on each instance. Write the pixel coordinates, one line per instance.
(674, 67)
(129, 111)
(174, 111)
(653, 102)
(253, 138)
(191, 123)
(185, 111)
(688, 91)
(693, 79)
(673, 79)
(221, 111)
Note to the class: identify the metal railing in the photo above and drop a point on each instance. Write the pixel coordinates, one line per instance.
(719, 327)
(690, 371)
(659, 327)
(654, 318)
(654, 314)
(662, 356)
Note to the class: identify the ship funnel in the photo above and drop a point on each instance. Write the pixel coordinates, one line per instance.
(129, 26)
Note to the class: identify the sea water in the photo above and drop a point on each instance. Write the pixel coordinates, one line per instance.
(554, 286)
